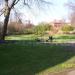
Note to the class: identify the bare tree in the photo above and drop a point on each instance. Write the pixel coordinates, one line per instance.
(10, 4)
(71, 5)
(72, 18)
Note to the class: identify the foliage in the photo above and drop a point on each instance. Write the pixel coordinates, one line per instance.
(29, 31)
(41, 28)
(67, 28)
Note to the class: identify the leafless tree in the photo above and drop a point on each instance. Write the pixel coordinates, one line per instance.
(10, 5)
(71, 6)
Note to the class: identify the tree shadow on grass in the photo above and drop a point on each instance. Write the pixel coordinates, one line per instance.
(29, 58)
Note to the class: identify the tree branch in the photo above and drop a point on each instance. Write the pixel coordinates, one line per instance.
(71, 5)
(27, 4)
(13, 3)
(16, 2)
(2, 13)
(2, 10)
(17, 15)
(47, 2)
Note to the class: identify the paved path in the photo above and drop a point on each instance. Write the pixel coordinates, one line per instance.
(66, 72)
(71, 72)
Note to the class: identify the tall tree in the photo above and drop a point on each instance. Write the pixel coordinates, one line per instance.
(71, 5)
(10, 4)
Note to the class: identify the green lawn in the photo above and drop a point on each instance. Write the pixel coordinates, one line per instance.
(24, 56)
(21, 58)
(22, 37)
(57, 38)
(64, 37)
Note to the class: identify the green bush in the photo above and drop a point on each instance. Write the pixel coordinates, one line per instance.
(67, 28)
(41, 28)
(29, 31)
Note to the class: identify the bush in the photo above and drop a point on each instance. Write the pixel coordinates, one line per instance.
(29, 31)
(19, 28)
(67, 28)
(15, 28)
(41, 28)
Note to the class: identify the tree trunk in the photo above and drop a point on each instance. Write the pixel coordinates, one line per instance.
(6, 20)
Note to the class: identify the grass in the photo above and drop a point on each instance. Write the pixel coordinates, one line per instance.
(57, 38)
(64, 38)
(25, 56)
(22, 37)
(21, 58)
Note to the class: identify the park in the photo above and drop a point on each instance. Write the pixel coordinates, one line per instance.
(29, 48)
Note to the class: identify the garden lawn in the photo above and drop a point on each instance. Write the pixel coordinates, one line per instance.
(22, 37)
(63, 38)
(21, 58)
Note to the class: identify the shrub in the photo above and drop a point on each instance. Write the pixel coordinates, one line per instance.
(29, 31)
(41, 28)
(67, 28)
(15, 28)
(19, 28)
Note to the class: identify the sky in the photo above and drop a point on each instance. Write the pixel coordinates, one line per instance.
(58, 10)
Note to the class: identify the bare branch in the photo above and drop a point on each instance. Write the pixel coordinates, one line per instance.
(1, 13)
(47, 2)
(13, 3)
(16, 2)
(2, 10)
(71, 5)
(27, 4)
(17, 15)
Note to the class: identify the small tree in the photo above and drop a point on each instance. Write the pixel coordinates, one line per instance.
(71, 6)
